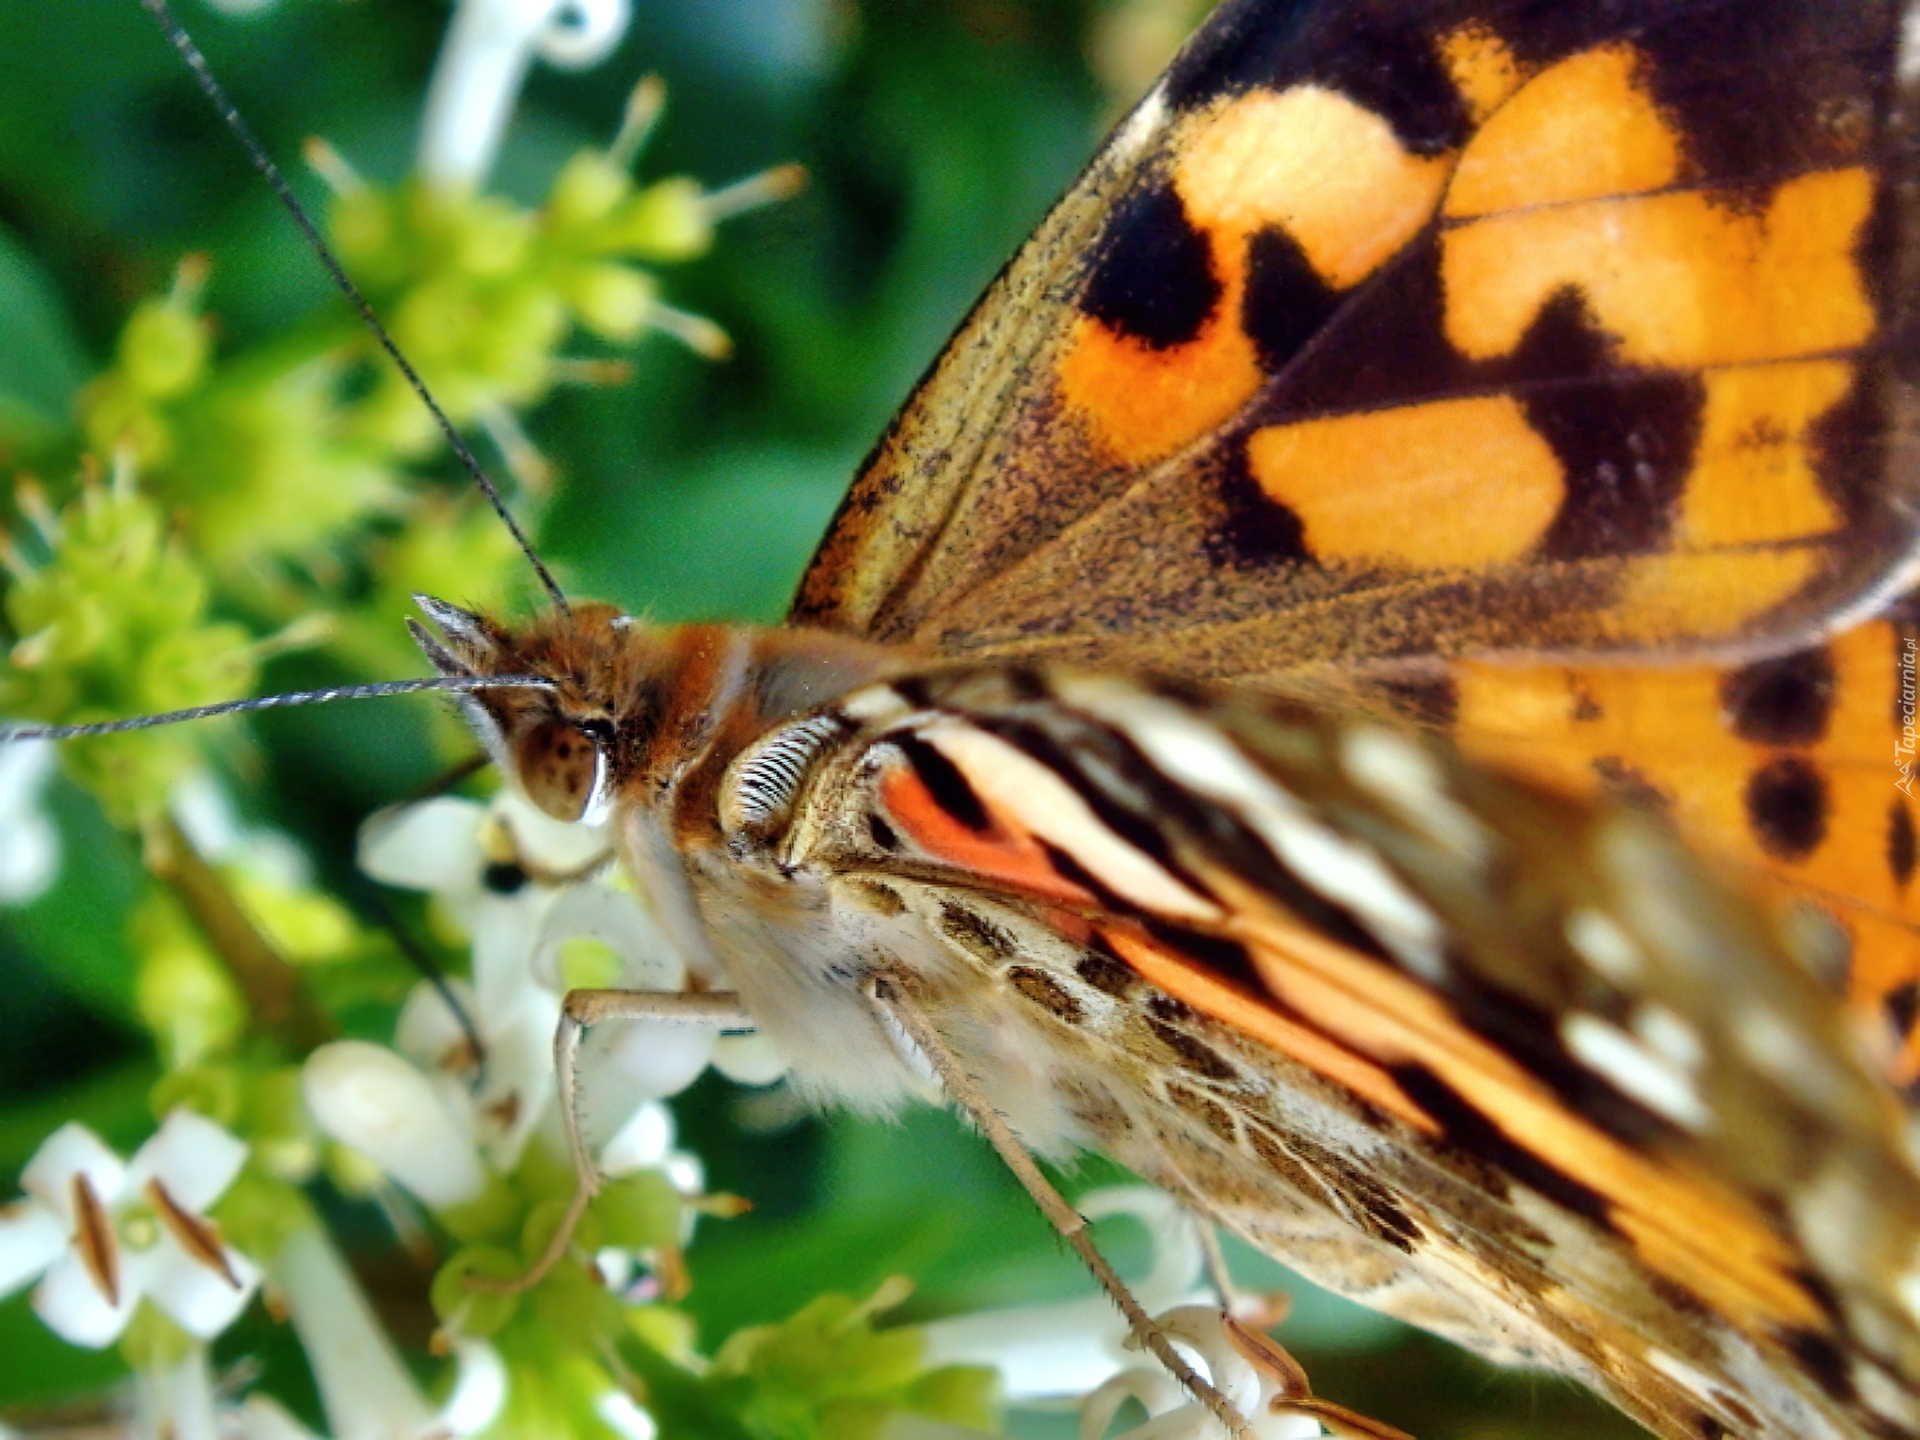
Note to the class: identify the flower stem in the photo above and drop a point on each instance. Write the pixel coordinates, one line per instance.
(281, 1005)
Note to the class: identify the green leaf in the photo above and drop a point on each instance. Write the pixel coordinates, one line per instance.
(42, 362)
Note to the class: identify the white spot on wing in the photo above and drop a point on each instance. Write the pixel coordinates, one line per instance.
(873, 704)
(1401, 773)
(1683, 1375)
(1012, 782)
(1618, 1058)
(1341, 869)
(1605, 946)
(1669, 1036)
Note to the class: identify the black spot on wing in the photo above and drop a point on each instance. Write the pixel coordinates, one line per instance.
(1787, 806)
(1900, 841)
(882, 833)
(1286, 301)
(1107, 972)
(1191, 1054)
(1902, 1004)
(1625, 444)
(1152, 276)
(1251, 529)
(1785, 701)
(1046, 992)
(944, 782)
(976, 934)
(1823, 1360)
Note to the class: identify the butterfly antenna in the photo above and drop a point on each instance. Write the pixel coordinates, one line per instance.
(257, 153)
(458, 683)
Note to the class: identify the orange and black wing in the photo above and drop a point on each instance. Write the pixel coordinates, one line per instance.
(1447, 327)
(1325, 979)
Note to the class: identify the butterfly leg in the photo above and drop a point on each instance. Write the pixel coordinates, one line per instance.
(890, 997)
(579, 1012)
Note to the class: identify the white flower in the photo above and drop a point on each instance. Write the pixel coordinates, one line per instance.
(483, 63)
(373, 1101)
(103, 1234)
(368, 1394)
(1069, 1348)
(519, 881)
(29, 841)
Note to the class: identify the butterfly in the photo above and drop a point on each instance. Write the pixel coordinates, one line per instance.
(1228, 706)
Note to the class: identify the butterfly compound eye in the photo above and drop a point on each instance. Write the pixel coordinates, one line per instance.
(559, 767)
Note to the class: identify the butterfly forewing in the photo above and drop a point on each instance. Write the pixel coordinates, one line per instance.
(1382, 330)
(1402, 1021)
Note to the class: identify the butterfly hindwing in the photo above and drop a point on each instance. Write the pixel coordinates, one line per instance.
(1402, 1019)
(1429, 328)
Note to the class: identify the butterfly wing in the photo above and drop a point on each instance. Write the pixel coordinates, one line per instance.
(1396, 329)
(1396, 1017)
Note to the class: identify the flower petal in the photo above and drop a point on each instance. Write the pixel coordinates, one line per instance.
(366, 1391)
(642, 1143)
(429, 845)
(29, 857)
(749, 1059)
(194, 1158)
(202, 1299)
(177, 1402)
(70, 1150)
(555, 846)
(31, 1236)
(77, 1310)
(479, 1390)
(643, 1059)
(615, 919)
(369, 1098)
(430, 1034)
(264, 1418)
(594, 28)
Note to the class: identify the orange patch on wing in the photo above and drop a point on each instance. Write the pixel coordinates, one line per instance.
(1455, 483)
(1009, 856)
(1312, 162)
(1667, 728)
(1679, 279)
(1753, 479)
(1306, 160)
(1581, 130)
(1712, 595)
(1185, 981)
(1483, 69)
(1141, 403)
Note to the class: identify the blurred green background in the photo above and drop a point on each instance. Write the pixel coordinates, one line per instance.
(936, 132)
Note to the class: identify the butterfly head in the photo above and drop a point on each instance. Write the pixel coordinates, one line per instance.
(563, 746)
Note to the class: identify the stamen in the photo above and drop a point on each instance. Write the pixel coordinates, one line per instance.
(581, 370)
(644, 105)
(197, 1237)
(93, 1238)
(769, 187)
(523, 458)
(31, 501)
(190, 280)
(331, 166)
(696, 332)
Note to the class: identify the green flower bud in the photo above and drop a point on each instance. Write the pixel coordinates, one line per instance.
(185, 996)
(640, 1211)
(667, 222)
(586, 191)
(467, 1309)
(614, 301)
(163, 349)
